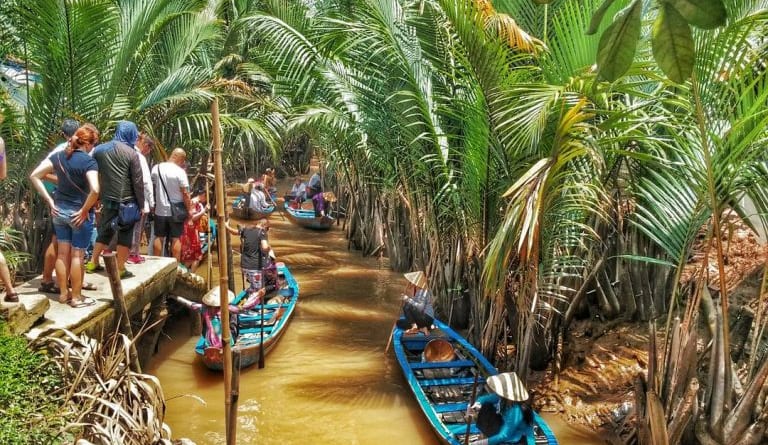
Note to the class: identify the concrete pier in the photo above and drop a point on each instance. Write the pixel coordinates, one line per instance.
(39, 314)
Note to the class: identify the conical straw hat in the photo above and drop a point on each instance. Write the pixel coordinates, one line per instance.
(418, 279)
(508, 386)
(212, 297)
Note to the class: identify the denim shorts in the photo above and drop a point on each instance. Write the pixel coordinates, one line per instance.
(67, 232)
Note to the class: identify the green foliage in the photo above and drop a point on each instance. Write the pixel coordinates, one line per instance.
(673, 46)
(705, 14)
(10, 37)
(619, 41)
(30, 411)
(672, 41)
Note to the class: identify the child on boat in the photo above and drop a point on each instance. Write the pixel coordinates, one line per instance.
(513, 421)
(210, 311)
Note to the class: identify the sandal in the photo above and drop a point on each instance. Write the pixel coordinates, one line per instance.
(82, 302)
(12, 298)
(89, 286)
(49, 287)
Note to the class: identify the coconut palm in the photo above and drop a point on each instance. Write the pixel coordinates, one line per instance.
(154, 62)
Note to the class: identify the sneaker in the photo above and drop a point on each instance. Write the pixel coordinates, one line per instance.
(92, 267)
(126, 274)
(135, 259)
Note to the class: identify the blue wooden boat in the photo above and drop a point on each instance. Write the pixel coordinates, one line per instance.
(240, 212)
(280, 306)
(443, 387)
(306, 218)
(206, 237)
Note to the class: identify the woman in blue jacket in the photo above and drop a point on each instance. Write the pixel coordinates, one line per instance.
(509, 409)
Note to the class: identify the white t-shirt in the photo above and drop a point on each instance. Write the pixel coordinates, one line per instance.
(62, 147)
(258, 200)
(146, 176)
(175, 179)
(57, 149)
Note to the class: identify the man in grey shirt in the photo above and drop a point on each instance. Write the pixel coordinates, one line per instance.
(171, 186)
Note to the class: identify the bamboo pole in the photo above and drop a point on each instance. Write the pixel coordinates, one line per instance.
(223, 273)
(110, 262)
(210, 238)
(235, 395)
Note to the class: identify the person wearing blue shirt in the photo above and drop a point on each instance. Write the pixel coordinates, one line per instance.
(505, 415)
(314, 186)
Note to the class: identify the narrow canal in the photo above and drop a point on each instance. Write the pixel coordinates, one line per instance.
(328, 380)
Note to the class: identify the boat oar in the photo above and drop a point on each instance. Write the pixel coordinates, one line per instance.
(277, 209)
(471, 402)
(391, 334)
(392, 331)
(261, 345)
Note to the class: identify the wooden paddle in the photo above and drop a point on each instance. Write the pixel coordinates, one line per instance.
(392, 331)
(277, 209)
(391, 334)
(471, 402)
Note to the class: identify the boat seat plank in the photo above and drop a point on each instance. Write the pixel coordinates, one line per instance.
(450, 381)
(450, 407)
(437, 365)
(461, 428)
(256, 330)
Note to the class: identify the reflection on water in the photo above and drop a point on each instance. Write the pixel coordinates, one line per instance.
(328, 379)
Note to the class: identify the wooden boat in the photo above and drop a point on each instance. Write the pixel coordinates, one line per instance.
(277, 313)
(443, 387)
(240, 212)
(306, 218)
(205, 243)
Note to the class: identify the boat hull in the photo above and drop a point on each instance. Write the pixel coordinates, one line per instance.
(443, 389)
(240, 212)
(307, 218)
(249, 341)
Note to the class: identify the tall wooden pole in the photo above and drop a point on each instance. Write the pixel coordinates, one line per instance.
(210, 238)
(110, 261)
(223, 272)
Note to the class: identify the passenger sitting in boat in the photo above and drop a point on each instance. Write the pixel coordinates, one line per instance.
(417, 308)
(298, 191)
(210, 311)
(314, 186)
(258, 198)
(513, 421)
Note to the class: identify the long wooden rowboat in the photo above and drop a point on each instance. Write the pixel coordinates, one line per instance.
(443, 387)
(205, 237)
(277, 313)
(306, 218)
(239, 210)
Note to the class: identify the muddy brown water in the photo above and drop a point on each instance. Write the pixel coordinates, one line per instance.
(328, 380)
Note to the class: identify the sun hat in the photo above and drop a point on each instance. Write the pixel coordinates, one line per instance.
(508, 386)
(439, 350)
(212, 297)
(418, 279)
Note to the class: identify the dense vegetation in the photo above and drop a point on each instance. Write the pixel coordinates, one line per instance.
(478, 140)
(30, 395)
